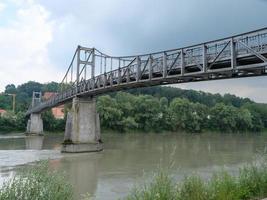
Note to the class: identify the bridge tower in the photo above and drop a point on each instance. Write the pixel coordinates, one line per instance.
(35, 123)
(82, 131)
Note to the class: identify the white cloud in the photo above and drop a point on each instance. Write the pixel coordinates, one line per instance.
(24, 46)
(42, 35)
(2, 6)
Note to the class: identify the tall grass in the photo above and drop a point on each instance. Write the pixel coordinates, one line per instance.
(161, 187)
(249, 184)
(37, 182)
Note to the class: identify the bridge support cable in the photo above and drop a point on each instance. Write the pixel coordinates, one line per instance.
(78, 69)
(236, 56)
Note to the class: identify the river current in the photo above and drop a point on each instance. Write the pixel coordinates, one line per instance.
(129, 160)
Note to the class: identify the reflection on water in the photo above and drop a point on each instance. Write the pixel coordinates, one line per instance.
(83, 172)
(128, 159)
(34, 142)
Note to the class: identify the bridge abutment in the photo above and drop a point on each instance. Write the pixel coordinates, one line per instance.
(35, 124)
(82, 132)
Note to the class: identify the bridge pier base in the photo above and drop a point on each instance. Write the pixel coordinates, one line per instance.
(82, 132)
(35, 124)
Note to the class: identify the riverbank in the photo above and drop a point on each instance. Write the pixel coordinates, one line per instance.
(41, 182)
(250, 183)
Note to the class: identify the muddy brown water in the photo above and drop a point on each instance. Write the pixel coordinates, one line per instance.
(131, 159)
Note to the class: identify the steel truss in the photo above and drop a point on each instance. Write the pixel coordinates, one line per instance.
(92, 72)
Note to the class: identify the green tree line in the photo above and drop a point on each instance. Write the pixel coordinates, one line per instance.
(148, 109)
(126, 111)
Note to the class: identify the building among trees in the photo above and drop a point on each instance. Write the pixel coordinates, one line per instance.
(2, 112)
(58, 111)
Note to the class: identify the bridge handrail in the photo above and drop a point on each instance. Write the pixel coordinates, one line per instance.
(192, 55)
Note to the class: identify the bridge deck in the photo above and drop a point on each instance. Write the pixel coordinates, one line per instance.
(238, 56)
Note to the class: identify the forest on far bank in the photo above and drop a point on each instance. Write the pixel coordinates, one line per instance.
(147, 109)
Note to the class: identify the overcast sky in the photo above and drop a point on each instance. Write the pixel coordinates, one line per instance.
(38, 37)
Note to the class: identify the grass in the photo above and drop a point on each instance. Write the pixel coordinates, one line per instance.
(37, 182)
(249, 184)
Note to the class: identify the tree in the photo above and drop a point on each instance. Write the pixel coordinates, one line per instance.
(30, 87)
(223, 118)
(244, 120)
(10, 89)
(186, 115)
(51, 123)
(147, 113)
(110, 114)
(258, 109)
(5, 102)
(50, 87)
(125, 103)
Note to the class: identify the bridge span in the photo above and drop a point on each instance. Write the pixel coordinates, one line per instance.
(92, 72)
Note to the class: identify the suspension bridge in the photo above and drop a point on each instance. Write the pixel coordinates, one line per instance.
(92, 72)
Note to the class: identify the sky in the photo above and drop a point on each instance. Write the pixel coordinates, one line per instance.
(38, 37)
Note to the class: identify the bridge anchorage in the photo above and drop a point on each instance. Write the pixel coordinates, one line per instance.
(92, 73)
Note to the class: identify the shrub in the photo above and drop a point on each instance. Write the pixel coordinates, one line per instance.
(37, 182)
(192, 188)
(250, 183)
(161, 188)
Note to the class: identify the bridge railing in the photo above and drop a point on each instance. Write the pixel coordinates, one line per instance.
(91, 69)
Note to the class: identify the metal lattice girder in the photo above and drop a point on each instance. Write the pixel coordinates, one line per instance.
(175, 60)
(236, 56)
(218, 55)
(253, 51)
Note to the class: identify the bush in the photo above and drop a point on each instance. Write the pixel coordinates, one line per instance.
(162, 187)
(37, 182)
(250, 183)
(192, 188)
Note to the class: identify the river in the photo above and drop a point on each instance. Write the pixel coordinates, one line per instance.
(130, 159)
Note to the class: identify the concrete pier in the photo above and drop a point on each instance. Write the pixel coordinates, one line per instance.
(35, 124)
(82, 132)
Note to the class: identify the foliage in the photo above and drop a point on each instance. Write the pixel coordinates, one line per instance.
(37, 182)
(109, 112)
(149, 109)
(230, 119)
(205, 98)
(192, 188)
(51, 123)
(186, 115)
(125, 111)
(250, 183)
(162, 187)
(17, 122)
(24, 94)
(11, 122)
(223, 117)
